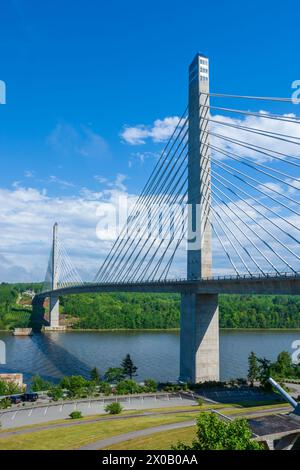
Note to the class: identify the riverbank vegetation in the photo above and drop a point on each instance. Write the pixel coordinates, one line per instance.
(118, 383)
(260, 369)
(162, 311)
(148, 311)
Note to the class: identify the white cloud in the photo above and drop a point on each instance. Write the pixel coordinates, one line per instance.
(119, 182)
(29, 174)
(60, 182)
(226, 133)
(67, 140)
(100, 179)
(27, 215)
(26, 219)
(160, 131)
(141, 157)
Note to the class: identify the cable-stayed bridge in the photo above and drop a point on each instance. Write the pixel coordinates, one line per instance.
(224, 195)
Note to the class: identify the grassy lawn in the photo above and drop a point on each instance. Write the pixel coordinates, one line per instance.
(205, 406)
(67, 420)
(83, 433)
(158, 440)
(253, 409)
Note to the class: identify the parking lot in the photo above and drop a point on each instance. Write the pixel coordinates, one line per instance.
(36, 413)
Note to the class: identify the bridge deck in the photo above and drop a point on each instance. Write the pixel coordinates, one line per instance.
(284, 284)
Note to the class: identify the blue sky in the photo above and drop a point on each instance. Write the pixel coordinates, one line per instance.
(78, 72)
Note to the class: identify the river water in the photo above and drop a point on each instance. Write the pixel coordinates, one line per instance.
(156, 353)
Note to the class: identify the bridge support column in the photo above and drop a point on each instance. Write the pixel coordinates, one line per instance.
(54, 311)
(199, 338)
(54, 299)
(199, 334)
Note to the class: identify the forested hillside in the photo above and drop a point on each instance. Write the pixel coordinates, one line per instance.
(118, 310)
(162, 311)
(12, 312)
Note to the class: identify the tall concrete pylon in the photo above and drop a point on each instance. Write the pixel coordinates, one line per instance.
(199, 323)
(54, 299)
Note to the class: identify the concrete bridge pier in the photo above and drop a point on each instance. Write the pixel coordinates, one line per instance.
(199, 338)
(54, 311)
(54, 298)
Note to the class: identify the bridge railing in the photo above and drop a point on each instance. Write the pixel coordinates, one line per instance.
(253, 277)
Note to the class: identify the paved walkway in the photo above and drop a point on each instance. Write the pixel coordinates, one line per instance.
(134, 434)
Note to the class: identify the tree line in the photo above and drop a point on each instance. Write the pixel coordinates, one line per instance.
(152, 311)
(261, 368)
(136, 310)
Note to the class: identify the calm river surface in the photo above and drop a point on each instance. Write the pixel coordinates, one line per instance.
(156, 354)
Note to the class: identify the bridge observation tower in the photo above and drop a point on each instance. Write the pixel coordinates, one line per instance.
(199, 325)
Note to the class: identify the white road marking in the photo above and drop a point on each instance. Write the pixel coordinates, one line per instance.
(14, 415)
(46, 409)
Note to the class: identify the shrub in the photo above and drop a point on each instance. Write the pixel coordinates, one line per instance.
(75, 415)
(56, 393)
(150, 385)
(5, 403)
(114, 408)
(170, 387)
(105, 388)
(208, 384)
(127, 387)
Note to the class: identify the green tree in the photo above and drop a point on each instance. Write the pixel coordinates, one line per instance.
(114, 374)
(215, 434)
(127, 387)
(252, 368)
(150, 385)
(38, 384)
(9, 388)
(55, 392)
(264, 372)
(283, 367)
(75, 384)
(105, 388)
(95, 375)
(128, 367)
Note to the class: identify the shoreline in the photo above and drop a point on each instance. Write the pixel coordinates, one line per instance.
(80, 330)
